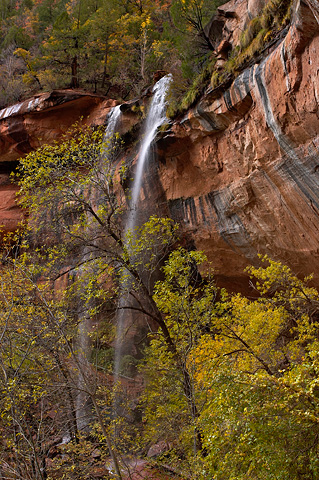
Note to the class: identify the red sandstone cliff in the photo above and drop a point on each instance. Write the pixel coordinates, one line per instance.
(241, 170)
(35, 122)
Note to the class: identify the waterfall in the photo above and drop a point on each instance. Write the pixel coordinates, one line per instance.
(113, 121)
(83, 404)
(155, 118)
(83, 344)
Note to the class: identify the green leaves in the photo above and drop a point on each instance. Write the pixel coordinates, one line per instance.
(100, 44)
(56, 181)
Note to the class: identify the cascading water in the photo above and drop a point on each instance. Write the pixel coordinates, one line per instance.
(155, 118)
(83, 344)
(113, 122)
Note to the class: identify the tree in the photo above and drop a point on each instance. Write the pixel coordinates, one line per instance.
(34, 382)
(103, 45)
(31, 65)
(192, 17)
(65, 46)
(235, 373)
(172, 404)
(77, 180)
(76, 208)
(253, 366)
(138, 37)
(259, 366)
(41, 364)
(102, 27)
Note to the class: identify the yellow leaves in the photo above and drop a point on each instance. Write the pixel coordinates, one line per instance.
(152, 240)
(248, 408)
(246, 338)
(146, 22)
(21, 52)
(257, 318)
(58, 168)
(278, 280)
(161, 48)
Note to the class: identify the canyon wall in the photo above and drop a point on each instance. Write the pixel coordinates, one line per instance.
(240, 171)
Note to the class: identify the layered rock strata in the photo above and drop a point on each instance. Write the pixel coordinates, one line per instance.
(241, 170)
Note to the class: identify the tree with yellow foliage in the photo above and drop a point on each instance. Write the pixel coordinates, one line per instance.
(253, 366)
(73, 194)
(231, 381)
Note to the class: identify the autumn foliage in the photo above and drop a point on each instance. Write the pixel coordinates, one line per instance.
(229, 382)
(112, 47)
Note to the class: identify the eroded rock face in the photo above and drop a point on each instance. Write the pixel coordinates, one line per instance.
(241, 170)
(34, 122)
(10, 213)
(44, 118)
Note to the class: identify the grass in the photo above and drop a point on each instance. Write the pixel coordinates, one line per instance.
(259, 33)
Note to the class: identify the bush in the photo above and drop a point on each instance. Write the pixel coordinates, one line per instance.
(250, 33)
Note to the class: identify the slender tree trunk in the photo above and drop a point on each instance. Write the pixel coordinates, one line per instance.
(74, 72)
(187, 382)
(143, 54)
(64, 372)
(107, 437)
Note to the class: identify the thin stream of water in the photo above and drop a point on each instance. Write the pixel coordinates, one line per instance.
(155, 118)
(113, 122)
(83, 410)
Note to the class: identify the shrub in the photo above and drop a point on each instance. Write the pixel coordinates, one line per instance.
(250, 33)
